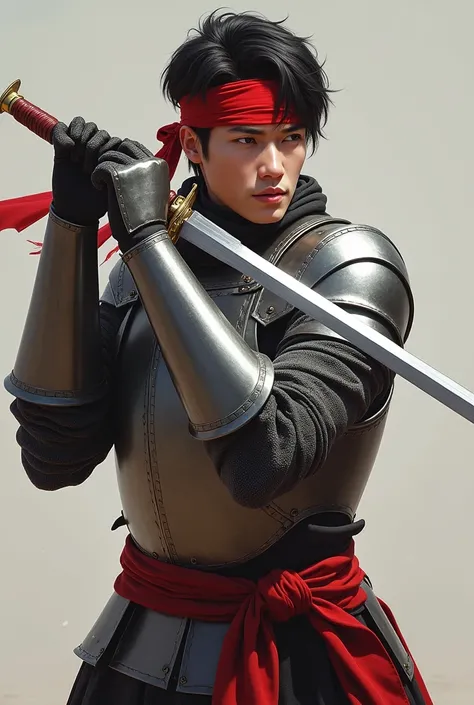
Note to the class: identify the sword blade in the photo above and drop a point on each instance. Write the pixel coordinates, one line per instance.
(209, 237)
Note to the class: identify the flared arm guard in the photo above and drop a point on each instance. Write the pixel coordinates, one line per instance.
(59, 360)
(221, 381)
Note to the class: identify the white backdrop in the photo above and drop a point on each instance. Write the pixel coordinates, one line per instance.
(399, 156)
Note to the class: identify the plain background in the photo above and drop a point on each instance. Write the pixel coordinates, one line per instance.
(399, 155)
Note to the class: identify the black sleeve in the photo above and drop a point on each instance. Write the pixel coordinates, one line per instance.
(321, 388)
(60, 447)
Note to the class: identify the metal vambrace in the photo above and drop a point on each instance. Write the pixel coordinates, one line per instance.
(220, 380)
(59, 361)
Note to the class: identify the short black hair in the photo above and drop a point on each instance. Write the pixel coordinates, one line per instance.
(229, 46)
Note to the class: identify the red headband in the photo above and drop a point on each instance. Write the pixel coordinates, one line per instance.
(249, 102)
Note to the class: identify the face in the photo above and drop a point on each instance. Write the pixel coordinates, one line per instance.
(251, 170)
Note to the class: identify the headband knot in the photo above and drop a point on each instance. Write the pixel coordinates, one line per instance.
(171, 150)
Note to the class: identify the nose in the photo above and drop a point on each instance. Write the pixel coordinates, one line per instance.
(271, 163)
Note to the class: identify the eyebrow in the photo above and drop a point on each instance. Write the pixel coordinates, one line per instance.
(252, 130)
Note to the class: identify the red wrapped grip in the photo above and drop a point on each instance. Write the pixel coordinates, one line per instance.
(33, 118)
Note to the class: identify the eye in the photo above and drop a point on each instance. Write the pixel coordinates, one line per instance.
(294, 137)
(242, 140)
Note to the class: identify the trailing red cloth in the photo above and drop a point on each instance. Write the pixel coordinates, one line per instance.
(249, 102)
(248, 668)
(20, 213)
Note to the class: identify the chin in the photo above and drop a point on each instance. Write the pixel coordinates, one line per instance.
(267, 216)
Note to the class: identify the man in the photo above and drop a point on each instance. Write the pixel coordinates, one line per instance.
(244, 431)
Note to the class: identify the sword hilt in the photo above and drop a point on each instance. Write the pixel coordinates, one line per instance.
(30, 116)
(42, 124)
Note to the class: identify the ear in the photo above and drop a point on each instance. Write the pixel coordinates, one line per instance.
(191, 144)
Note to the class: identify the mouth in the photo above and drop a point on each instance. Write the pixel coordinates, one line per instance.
(270, 196)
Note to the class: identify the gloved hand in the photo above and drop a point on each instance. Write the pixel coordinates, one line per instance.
(77, 148)
(138, 189)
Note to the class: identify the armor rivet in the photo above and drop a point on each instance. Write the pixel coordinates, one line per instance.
(244, 288)
(193, 561)
(270, 309)
(133, 293)
(166, 669)
(294, 512)
(183, 680)
(247, 279)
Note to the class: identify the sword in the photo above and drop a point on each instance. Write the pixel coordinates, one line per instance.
(200, 231)
(209, 237)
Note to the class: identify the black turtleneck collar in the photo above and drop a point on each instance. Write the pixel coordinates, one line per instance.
(308, 199)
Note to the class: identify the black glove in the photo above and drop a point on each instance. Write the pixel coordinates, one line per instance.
(76, 151)
(137, 198)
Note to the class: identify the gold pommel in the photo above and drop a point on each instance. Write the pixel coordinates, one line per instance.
(9, 96)
(179, 210)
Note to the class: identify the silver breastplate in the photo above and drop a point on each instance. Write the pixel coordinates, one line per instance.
(175, 505)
